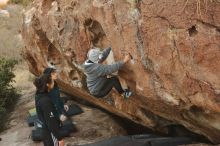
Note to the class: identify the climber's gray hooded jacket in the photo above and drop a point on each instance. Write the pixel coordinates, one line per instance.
(97, 73)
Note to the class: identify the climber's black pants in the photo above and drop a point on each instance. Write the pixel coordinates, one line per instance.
(109, 84)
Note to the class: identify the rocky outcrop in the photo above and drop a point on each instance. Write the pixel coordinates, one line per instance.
(175, 45)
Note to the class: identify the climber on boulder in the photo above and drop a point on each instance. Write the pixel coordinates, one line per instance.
(97, 82)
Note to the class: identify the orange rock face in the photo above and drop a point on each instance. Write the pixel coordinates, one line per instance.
(175, 45)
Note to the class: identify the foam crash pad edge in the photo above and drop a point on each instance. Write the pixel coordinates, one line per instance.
(65, 130)
(143, 140)
(74, 109)
(37, 134)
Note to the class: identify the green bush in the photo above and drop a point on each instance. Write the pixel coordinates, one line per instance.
(8, 94)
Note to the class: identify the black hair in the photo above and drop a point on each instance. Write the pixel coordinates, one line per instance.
(41, 83)
(49, 70)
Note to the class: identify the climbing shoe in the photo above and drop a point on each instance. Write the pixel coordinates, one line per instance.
(127, 94)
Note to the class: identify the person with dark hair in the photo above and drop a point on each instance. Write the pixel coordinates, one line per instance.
(96, 72)
(46, 111)
(55, 94)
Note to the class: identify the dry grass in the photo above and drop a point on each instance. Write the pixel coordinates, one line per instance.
(22, 2)
(10, 38)
(23, 78)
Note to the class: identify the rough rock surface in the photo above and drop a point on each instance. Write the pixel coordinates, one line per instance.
(175, 45)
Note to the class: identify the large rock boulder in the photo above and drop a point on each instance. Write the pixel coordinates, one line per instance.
(175, 45)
